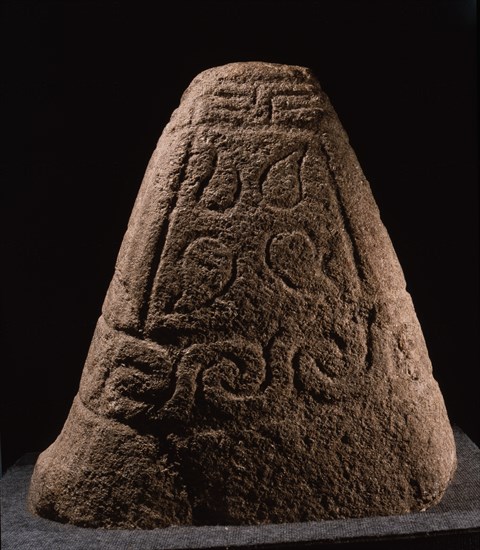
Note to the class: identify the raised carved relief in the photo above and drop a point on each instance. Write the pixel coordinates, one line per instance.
(235, 370)
(225, 373)
(275, 103)
(281, 182)
(292, 257)
(126, 378)
(317, 375)
(299, 107)
(221, 189)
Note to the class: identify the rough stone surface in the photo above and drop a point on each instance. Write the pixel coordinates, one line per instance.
(258, 358)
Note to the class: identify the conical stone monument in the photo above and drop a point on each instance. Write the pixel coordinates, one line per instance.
(258, 358)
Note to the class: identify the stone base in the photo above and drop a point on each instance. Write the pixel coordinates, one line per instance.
(453, 523)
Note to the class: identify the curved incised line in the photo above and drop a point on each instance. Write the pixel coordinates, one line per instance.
(267, 357)
(227, 285)
(238, 189)
(236, 194)
(203, 183)
(268, 260)
(284, 278)
(296, 370)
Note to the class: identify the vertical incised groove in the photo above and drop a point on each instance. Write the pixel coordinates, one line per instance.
(162, 238)
(203, 183)
(343, 213)
(371, 318)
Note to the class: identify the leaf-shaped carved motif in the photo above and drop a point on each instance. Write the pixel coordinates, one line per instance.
(223, 189)
(201, 166)
(281, 183)
(219, 186)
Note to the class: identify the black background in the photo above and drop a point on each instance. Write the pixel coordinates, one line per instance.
(90, 87)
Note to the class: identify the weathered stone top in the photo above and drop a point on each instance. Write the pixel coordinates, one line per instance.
(255, 95)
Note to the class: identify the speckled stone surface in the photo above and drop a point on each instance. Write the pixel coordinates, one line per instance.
(258, 358)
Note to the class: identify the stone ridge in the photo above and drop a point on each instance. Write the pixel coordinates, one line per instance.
(258, 358)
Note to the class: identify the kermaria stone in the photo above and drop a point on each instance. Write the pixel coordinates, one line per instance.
(258, 358)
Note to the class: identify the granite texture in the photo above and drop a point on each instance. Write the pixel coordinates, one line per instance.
(452, 524)
(258, 358)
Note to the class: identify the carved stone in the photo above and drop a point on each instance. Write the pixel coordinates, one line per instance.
(258, 358)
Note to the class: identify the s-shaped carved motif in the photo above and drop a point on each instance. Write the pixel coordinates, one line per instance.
(227, 374)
